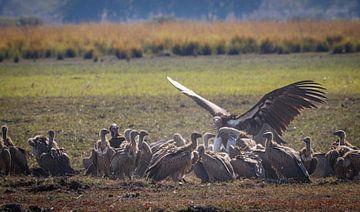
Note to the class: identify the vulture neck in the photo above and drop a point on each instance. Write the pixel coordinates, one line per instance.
(4, 133)
(308, 147)
(342, 140)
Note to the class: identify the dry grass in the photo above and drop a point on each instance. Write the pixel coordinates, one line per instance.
(181, 38)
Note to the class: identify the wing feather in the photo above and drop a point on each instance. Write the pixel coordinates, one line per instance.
(206, 104)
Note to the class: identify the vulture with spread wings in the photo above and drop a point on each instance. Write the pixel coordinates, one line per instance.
(276, 109)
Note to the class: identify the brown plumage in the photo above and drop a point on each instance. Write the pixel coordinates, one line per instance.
(6, 140)
(248, 165)
(348, 166)
(104, 153)
(231, 136)
(306, 155)
(19, 156)
(51, 139)
(206, 138)
(5, 160)
(285, 161)
(323, 168)
(342, 141)
(124, 162)
(116, 138)
(146, 155)
(55, 161)
(211, 167)
(277, 108)
(175, 163)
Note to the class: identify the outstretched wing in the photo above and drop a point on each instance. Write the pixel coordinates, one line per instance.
(279, 107)
(209, 106)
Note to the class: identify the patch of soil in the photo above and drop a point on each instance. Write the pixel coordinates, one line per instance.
(131, 195)
(44, 188)
(198, 208)
(35, 208)
(133, 186)
(22, 183)
(13, 207)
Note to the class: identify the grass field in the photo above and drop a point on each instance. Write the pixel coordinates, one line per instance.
(77, 98)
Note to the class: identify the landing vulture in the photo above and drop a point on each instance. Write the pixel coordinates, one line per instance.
(275, 109)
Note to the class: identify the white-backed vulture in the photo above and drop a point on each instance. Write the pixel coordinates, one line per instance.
(277, 108)
(306, 155)
(6, 140)
(206, 138)
(116, 139)
(348, 166)
(212, 168)
(323, 168)
(146, 155)
(55, 161)
(51, 139)
(174, 163)
(285, 161)
(124, 162)
(104, 153)
(231, 136)
(342, 141)
(19, 156)
(5, 159)
(248, 165)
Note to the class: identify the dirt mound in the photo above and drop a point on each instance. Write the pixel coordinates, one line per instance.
(133, 186)
(198, 208)
(13, 207)
(44, 188)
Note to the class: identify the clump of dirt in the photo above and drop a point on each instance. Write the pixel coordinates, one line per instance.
(44, 188)
(131, 195)
(13, 207)
(133, 186)
(199, 208)
(72, 185)
(22, 183)
(35, 208)
(39, 172)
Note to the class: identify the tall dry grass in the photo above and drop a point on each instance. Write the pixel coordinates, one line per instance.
(182, 38)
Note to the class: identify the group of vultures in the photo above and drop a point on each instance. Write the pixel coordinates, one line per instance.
(243, 146)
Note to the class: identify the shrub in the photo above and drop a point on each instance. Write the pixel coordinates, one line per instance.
(309, 45)
(89, 54)
(121, 54)
(190, 48)
(357, 48)
(322, 47)
(2, 57)
(70, 52)
(338, 49)
(234, 50)
(16, 59)
(292, 47)
(220, 48)
(267, 47)
(48, 53)
(349, 47)
(136, 53)
(31, 54)
(205, 50)
(60, 56)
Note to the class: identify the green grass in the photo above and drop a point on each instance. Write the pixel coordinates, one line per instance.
(245, 75)
(77, 98)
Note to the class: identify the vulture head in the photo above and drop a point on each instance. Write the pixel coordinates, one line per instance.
(194, 137)
(201, 150)
(114, 130)
(4, 130)
(51, 134)
(142, 135)
(340, 133)
(307, 140)
(127, 134)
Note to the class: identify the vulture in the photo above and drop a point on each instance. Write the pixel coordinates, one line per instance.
(146, 154)
(5, 159)
(348, 166)
(116, 139)
(342, 140)
(248, 165)
(285, 161)
(49, 159)
(212, 167)
(273, 112)
(175, 163)
(124, 162)
(306, 155)
(103, 153)
(231, 136)
(19, 156)
(323, 168)
(206, 137)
